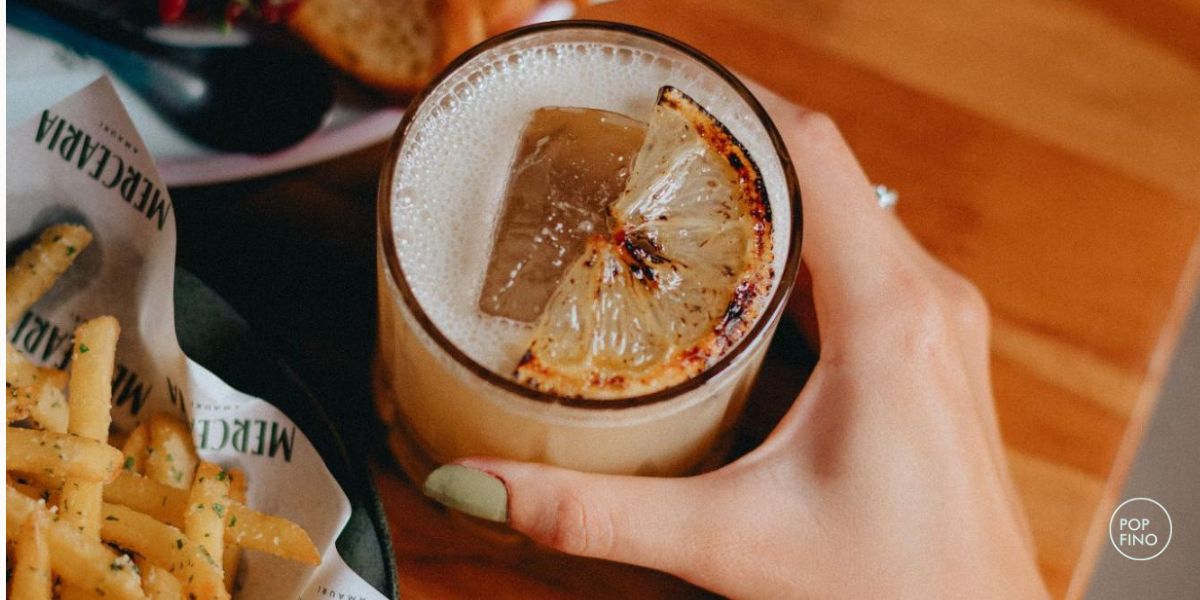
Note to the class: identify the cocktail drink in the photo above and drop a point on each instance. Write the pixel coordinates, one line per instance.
(587, 235)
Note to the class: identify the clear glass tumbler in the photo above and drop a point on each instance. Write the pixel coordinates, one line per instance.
(438, 400)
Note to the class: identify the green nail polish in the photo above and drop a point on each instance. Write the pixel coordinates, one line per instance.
(469, 490)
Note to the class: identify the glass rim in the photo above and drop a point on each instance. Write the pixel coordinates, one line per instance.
(387, 240)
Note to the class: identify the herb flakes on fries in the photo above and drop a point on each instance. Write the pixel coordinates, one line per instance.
(86, 518)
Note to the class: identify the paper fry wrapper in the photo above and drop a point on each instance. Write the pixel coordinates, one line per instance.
(82, 161)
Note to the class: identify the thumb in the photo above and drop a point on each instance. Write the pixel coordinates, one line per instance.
(638, 520)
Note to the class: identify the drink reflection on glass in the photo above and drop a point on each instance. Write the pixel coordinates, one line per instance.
(587, 235)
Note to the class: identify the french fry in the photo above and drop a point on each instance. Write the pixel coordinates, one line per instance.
(37, 479)
(49, 408)
(251, 529)
(42, 402)
(90, 385)
(134, 449)
(238, 485)
(78, 505)
(233, 554)
(38, 486)
(233, 557)
(204, 519)
(29, 489)
(67, 591)
(90, 389)
(171, 457)
(37, 268)
(244, 526)
(31, 579)
(17, 401)
(34, 391)
(187, 521)
(167, 547)
(61, 455)
(157, 542)
(158, 583)
(163, 502)
(19, 372)
(76, 558)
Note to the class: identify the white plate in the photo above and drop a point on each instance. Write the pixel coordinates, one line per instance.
(42, 72)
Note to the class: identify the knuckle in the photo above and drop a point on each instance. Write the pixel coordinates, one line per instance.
(969, 306)
(579, 529)
(916, 296)
(966, 306)
(920, 314)
(926, 337)
(936, 312)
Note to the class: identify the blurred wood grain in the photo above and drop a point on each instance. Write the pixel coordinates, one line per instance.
(1048, 149)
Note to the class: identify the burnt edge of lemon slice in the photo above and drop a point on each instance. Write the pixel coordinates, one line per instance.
(740, 313)
(721, 140)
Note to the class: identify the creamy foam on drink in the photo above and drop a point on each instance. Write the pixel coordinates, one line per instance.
(452, 172)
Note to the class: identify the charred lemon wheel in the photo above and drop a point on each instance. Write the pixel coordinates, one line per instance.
(678, 280)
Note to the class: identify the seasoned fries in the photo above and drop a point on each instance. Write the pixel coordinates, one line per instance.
(37, 268)
(244, 526)
(145, 495)
(232, 553)
(166, 547)
(159, 583)
(61, 455)
(71, 493)
(206, 511)
(19, 372)
(31, 578)
(76, 559)
(34, 392)
(253, 530)
(134, 449)
(170, 457)
(90, 390)
(49, 408)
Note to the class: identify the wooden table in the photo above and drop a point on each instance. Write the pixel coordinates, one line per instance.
(1050, 150)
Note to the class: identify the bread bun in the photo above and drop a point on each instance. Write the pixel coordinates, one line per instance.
(392, 45)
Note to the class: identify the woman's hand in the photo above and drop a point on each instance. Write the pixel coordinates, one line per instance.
(886, 479)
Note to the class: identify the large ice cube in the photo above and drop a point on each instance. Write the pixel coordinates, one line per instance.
(570, 165)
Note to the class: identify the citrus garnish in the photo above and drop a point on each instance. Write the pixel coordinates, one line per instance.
(677, 281)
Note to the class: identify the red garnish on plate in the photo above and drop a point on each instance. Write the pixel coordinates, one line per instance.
(171, 10)
(268, 11)
(233, 10)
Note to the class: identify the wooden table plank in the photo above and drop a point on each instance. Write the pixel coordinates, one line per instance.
(1060, 69)
(1172, 24)
(1010, 174)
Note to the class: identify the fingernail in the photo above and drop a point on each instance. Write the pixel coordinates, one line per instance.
(470, 491)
